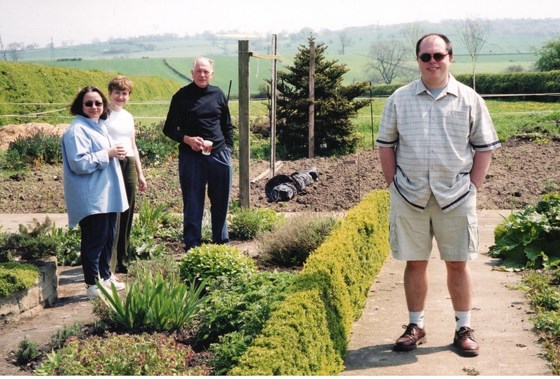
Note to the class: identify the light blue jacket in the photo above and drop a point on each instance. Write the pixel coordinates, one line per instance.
(93, 182)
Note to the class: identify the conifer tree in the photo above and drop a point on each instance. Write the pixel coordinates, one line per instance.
(334, 106)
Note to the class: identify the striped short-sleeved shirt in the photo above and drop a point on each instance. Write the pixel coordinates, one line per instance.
(435, 140)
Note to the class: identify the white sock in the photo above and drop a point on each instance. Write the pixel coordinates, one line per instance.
(462, 319)
(416, 318)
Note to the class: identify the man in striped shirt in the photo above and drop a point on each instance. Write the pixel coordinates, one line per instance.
(435, 145)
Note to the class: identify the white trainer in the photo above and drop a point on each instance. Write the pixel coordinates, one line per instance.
(113, 280)
(92, 291)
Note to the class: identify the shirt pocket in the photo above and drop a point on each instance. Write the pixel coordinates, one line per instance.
(457, 126)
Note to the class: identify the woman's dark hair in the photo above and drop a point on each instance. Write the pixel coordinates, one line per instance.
(442, 36)
(77, 107)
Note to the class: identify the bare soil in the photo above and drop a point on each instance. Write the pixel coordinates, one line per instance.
(520, 173)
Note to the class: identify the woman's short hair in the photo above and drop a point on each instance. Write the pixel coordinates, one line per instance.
(120, 83)
(77, 106)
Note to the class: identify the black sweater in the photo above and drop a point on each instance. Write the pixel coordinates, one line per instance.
(203, 112)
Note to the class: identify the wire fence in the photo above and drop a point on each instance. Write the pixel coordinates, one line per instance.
(62, 109)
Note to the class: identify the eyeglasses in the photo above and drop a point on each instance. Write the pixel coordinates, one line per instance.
(427, 57)
(90, 104)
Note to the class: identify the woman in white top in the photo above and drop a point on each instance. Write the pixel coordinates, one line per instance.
(120, 125)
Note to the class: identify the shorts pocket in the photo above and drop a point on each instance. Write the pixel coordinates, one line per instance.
(393, 240)
(473, 233)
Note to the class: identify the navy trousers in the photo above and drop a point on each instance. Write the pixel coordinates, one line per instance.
(196, 172)
(97, 236)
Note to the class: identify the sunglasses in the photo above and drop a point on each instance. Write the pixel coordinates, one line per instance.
(427, 57)
(90, 104)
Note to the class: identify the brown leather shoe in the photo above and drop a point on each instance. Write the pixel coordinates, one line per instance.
(465, 343)
(411, 338)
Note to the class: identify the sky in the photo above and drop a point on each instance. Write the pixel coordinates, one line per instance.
(83, 21)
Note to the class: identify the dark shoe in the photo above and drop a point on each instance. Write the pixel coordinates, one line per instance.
(121, 270)
(411, 338)
(465, 343)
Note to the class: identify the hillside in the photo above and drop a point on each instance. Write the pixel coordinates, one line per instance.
(33, 89)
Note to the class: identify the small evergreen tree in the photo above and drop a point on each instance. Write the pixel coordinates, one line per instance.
(334, 106)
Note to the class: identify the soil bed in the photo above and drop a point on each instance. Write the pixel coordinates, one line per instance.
(520, 173)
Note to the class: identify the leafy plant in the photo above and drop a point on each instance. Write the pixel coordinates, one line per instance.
(236, 312)
(35, 150)
(544, 296)
(154, 147)
(122, 354)
(247, 223)
(209, 262)
(154, 303)
(152, 225)
(67, 242)
(63, 334)
(30, 243)
(530, 238)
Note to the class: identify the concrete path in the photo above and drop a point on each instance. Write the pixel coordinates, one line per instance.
(500, 318)
(10, 222)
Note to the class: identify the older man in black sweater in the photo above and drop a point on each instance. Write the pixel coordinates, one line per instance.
(199, 112)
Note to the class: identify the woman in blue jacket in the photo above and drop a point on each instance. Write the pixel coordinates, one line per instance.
(93, 185)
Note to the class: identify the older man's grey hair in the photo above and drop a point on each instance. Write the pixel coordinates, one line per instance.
(202, 59)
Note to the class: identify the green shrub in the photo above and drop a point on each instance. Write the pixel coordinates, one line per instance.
(144, 354)
(15, 276)
(291, 243)
(209, 262)
(28, 248)
(235, 313)
(247, 223)
(27, 351)
(33, 151)
(153, 146)
(59, 338)
(530, 238)
(30, 243)
(153, 225)
(227, 352)
(67, 242)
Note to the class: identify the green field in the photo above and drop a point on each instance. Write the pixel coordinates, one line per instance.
(226, 68)
(509, 43)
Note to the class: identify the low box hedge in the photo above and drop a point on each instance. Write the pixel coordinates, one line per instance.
(308, 334)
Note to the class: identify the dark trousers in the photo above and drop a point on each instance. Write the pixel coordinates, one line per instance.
(120, 256)
(97, 233)
(196, 171)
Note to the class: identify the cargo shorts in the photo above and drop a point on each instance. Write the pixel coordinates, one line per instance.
(411, 233)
